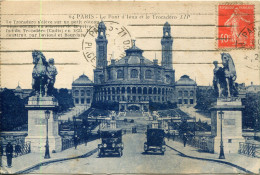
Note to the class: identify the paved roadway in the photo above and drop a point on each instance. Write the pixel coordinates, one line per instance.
(133, 161)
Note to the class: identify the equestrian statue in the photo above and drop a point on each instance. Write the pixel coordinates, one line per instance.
(43, 75)
(224, 77)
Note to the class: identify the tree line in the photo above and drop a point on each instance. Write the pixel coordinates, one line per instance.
(14, 114)
(206, 99)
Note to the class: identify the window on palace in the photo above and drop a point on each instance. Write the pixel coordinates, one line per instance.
(134, 73)
(163, 91)
(113, 98)
(123, 98)
(109, 74)
(120, 74)
(88, 100)
(118, 90)
(145, 90)
(159, 98)
(82, 93)
(144, 98)
(123, 90)
(139, 90)
(180, 93)
(180, 101)
(154, 98)
(191, 101)
(168, 79)
(159, 91)
(134, 98)
(118, 98)
(108, 90)
(162, 98)
(128, 90)
(154, 91)
(113, 90)
(101, 51)
(77, 101)
(88, 92)
(185, 101)
(82, 101)
(148, 74)
(109, 98)
(128, 98)
(101, 78)
(139, 97)
(134, 90)
(191, 93)
(150, 91)
(159, 75)
(185, 93)
(76, 92)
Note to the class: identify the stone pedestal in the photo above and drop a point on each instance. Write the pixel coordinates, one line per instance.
(37, 124)
(231, 125)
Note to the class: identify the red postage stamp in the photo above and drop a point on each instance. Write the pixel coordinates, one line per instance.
(236, 26)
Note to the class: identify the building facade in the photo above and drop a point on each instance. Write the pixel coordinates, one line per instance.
(22, 93)
(82, 91)
(186, 91)
(134, 80)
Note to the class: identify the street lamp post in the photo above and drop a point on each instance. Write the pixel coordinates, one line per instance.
(256, 128)
(221, 154)
(47, 152)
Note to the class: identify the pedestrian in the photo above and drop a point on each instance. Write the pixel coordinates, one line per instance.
(9, 154)
(1, 154)
(184, 139)
(17, 149)
(168, 135)
(75, 141)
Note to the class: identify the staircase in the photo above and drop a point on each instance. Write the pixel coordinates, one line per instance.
(134, 114)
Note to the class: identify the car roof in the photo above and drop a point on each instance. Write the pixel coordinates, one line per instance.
(110, 130)
(156, 129)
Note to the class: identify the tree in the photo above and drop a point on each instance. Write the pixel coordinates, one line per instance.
(13, 112)
(251, 112)
(155, 106)
(64, 98)
(106, 105)
(205, 99)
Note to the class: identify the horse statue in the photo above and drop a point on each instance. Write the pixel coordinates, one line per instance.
(224, 77)
(43, 75)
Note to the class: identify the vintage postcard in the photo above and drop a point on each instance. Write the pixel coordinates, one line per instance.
(129, 87)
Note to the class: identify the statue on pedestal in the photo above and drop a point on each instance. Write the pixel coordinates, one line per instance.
(51, 72)
(224, 77)
(43, 75)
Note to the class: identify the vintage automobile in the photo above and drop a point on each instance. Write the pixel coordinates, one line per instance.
(155, 141)
(111, 142)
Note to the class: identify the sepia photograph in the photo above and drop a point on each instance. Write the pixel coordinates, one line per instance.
(129, 87)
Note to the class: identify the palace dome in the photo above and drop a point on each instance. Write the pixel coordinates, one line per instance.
(134, 55)
(18, 89)
(185, 80)
(82, 80)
